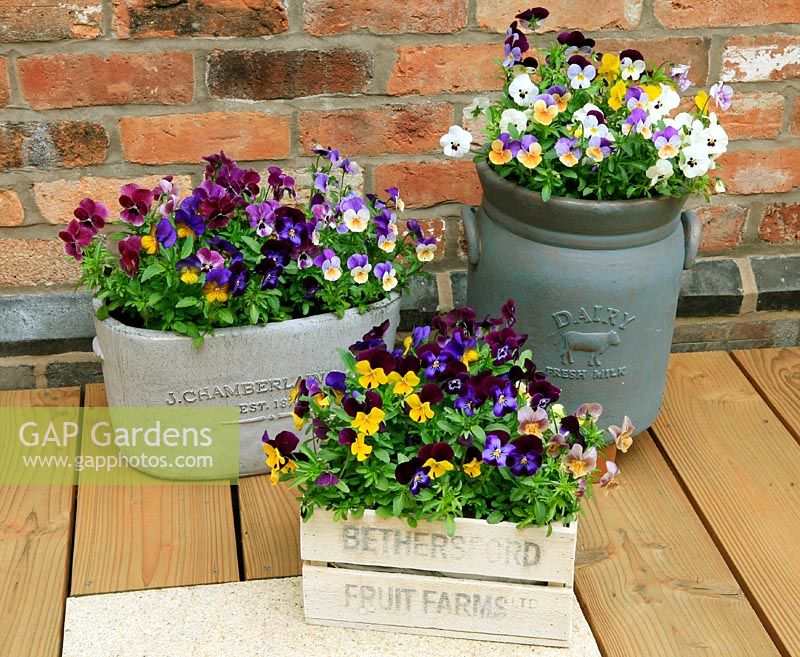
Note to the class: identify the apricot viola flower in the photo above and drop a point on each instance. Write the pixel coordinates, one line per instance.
(580, 463)
(387, 274)
(530, 152)
(609, 479)
(668, 142)
(532, 422)
(545, 109)
(503, 149)
(568, 151)
(623, 436)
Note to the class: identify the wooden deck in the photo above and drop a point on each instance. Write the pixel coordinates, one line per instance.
(697, 554)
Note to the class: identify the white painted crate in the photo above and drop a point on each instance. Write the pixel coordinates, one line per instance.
(488, 582)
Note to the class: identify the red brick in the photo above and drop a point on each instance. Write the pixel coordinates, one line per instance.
(56, 199)
(454, 69)
(723, 226)
(210, 18)
(760, 172)
(35, 262)
(78, 80)
(702, 13)
(423, 184)
(11, 210)
(324, 17)
(680, 50)
(753, 115)
(190, 137)
(45, 20)
(396, 129)
(260, 75)
(50, 145)
(769, 57)
(794, 126)
(5, 91)
(780, 223)
(496, 15)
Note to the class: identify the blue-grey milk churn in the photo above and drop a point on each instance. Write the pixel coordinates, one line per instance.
(596, 285)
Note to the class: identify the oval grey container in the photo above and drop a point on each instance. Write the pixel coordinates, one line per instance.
(253, 368)
(596, 286)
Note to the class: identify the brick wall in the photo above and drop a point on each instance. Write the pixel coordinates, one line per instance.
(97, 92)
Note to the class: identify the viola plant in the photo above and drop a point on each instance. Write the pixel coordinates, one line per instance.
(458, 422)
(242, 249)
(581, 123)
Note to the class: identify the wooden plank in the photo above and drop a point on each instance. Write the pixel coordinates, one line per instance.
(270, 523)
(649, 578)
(741, 467)
(776, 375)
(35, 534)
(460, 608)
(497, 551)
(151, 534)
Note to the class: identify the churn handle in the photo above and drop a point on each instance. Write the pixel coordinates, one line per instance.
(471, 231)
(691, 236)
(96, 348)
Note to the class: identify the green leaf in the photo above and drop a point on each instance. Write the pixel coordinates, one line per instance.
(225, 315)
(450, 526)
(152, 270)
(187, 248)
(546, 192)
(494, 517)
(185, 302)
(102, 313)
(383, 512)
(397, 506)
(252, 243)
(254, 314)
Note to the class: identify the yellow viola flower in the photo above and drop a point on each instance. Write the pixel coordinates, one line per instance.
(149, 242)
(298, 421)
(609, 66)
(437, 468)
(368, 423)
(473, 468)
(275, 460)
(653, 91)
(321, 400)
(407, 343)
(419, 411)
(359, 448)
(370, 378)
(190, 275)
(616, 94)
(403, 384)
(700, 100)
(470, 356)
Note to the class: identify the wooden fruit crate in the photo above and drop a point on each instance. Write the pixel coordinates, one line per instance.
(488, 582)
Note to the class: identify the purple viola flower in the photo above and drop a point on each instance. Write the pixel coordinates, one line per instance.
(166, 233)
(76, 236)
(321, 181)
(129, 251)
(668, 142)
(262, 217)
(636, 122)
(189, 269)
(225, 247)
(291, 226)
(513, 54)
(722, 95)
(420, 479)
(347, 164)
(357, 260)
(533, 15)
(336, 380)
(504, 344)
(542, 392)
(215, 204)
(276, 256)
(636, 98)
(435, 362)
(91, 214)
(209, 259)
(420, 334)
(505, 399)
(568, 151)
(325, 254)
(239, 278)
(680, 75)
(468, 399)
(327, 479)
(497, 449)
(280, 183)
(383, 268)
(135, 202)
(188, 223)
(527, 458)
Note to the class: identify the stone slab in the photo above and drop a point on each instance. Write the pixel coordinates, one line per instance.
(257, 618)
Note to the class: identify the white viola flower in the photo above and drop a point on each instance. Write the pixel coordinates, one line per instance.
(714, 137)
(426, 251)
(659, 172)
(694, 160)
(667, 101)
(593, 128)
(523, 90)
(631, 69)
(719, 186)
(389, 280)
(387, 243)
(580, 114)
(456, 142)
(682, 121)
(513, 117)
(356, 221)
